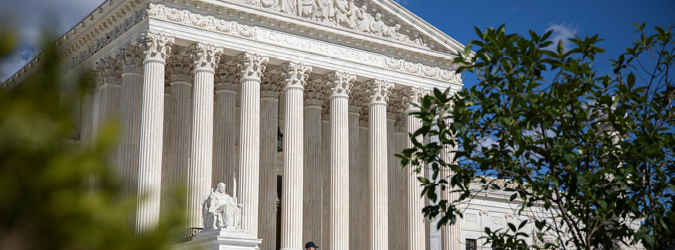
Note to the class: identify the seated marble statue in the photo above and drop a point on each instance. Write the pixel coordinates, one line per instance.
(221, 210)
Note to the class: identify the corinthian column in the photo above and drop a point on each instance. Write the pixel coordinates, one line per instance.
(416, 232)
(224, 161)
(179, 69)
(131, 58)
(340, 84)
(206, 58)
(295, 77)
(312, 174)
(156, 47)
(109, 93)
(378, 93)
(357, 201)
(269, 124)
(252, 66)
(450, 234)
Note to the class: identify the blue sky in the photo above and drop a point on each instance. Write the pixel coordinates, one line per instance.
(611, 19)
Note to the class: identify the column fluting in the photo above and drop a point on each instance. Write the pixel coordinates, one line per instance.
(295, 77)
(206, 58)
(340, 84)
(357, 202)
(224, 137)
(313, 181)
(416, 223)
(110, 92)
(378, 95)
(450, 234)
(156, 47)
(325, 171)
(269, 125)
(130, 108)
(251, 66)
(174, 182)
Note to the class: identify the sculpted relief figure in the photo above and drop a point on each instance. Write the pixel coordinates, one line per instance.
(308, 8)
(272, 4)
(288, 6)
(377, 27)
(221, 210)
(363, 19)
(342, 13)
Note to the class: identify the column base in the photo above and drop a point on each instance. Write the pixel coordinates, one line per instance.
(222, 239)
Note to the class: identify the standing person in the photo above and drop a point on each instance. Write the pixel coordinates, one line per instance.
(311, 246)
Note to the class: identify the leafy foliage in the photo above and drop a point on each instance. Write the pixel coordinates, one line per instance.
(594, 151)
(47, 200)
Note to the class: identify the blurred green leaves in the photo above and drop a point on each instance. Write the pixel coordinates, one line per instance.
(595, 152)
(51, 195)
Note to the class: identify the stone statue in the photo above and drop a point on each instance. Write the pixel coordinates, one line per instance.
(221, 211)
(377, 27)
(288, 6)
(363, 19)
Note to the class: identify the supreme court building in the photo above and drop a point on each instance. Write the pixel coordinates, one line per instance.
(303, 102)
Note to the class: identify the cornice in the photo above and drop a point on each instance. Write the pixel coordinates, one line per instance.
(249, 14)
(238, 28)
(98, 29)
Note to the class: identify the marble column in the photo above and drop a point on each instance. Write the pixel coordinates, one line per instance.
(340, 84)
(392, 181)
(416, 223)
(325, 171)
(131, 58)
(251, 66)
(269, 125)
(312, 173)
(206, 58)
(357, 221)
(167, 144)
(450, 234)
(156, 47)
(295, 77)
(224, 161)
(361, 174)
(109, 94)
(402, 180)
(179, 69)
(378, 96)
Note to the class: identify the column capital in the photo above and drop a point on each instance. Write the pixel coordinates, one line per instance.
(295, 74)
(156, 47)
(325, 109)
(206, 57)
(270, 85)
(108, 71)
(251, 65)
(167, 90)
(339, 83)
(393, 107)
(378, 91)
(315, 92)
(179, 69)
(364, 114)
(227, 78)
(131, 59)
(356, 101)
(411, 96)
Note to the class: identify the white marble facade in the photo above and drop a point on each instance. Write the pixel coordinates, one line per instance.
(202, 87)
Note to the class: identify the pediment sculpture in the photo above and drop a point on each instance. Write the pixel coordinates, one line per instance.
(343, 13)
(221, 211)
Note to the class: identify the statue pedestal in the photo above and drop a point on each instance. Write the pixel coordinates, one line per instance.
(222, 239)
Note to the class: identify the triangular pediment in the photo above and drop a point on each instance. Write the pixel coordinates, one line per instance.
(380, 18)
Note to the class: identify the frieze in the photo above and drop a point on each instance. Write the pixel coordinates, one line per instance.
(209, 22)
